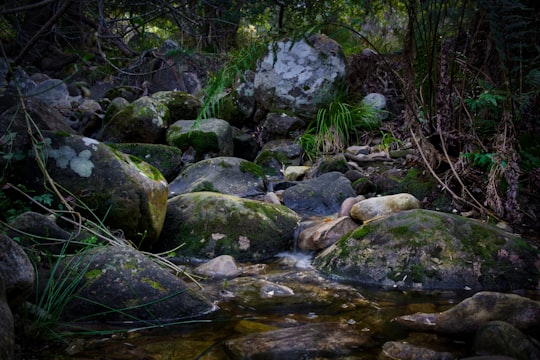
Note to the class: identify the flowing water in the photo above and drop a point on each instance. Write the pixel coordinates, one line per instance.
(243, 311)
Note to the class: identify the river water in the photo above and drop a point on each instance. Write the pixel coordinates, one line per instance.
(244, 309)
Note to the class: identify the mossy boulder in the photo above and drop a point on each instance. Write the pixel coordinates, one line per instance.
(181, 105)
(167, 159)
(208, 136)
(210, 224)
(425, 249)
(224, 174)
(121, 190)
(121, 284)
(275, 155)
(144, 120)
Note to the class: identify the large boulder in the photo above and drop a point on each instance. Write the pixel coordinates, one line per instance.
(181, 105)
(16, 271)
(44, 117)
(7, 329)
(123, 191)
(226, 175)
(209, 224)
(121, 284)
(145, 120)
(431, 250)
(299, 75)
(319, 196)
(167, 159)
(474, 312)
(208, 136)
(300, 342)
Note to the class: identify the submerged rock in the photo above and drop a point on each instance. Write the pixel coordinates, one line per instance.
(474, 312)
(121, 284)
(425, 249)
(305, 341)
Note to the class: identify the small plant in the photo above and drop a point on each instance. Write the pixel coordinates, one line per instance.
(387, 141)
(336, 126)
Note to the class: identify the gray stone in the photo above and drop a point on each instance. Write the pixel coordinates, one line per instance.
(121, 190)
(501, 338)
(16, 271)
(210, 224)
(375, 207)
(211, 137)
(319, 196)
(300, 75)
(222, 266)
(304, 341)
(325, 233)
(52, 92)
(378, 102)
(121, 284)
(226, 175)
(7, 331)
(144, 120)
(277, 154)
(423, 249)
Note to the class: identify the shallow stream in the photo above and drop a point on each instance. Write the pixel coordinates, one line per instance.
(247, 306)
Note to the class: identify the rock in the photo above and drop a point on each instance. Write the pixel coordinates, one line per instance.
(17, 274)
(122, 190)
(304, 341)
(245, 145)
(121, 284)
(299, 76)
(331, 163)
(501, 338)
(144, 120)
(325, 233)
(425, 249)
(222, 266)
(405, 351)
(167, 159)
(7, 328)
(53, 92)
(348, 203)
(319, 196)
(277, 154)
(378, 102)
(295, 173)
(280, 126)
(369, 209)
(181, 105)
(472, 313)
(211, 224)
(114, 107)
(208, 136)
(226, 175)
(43, 116)
(40, 231)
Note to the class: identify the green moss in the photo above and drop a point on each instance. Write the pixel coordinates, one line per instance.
(93, 274)
(416, 184)
(154, 284)
(360, 232)
(205, 186)
(416, 272)
(252, 168)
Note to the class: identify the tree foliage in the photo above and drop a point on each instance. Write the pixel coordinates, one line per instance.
(469, 73)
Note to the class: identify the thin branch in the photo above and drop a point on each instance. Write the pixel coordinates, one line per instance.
(26, 7)
(43, 29)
